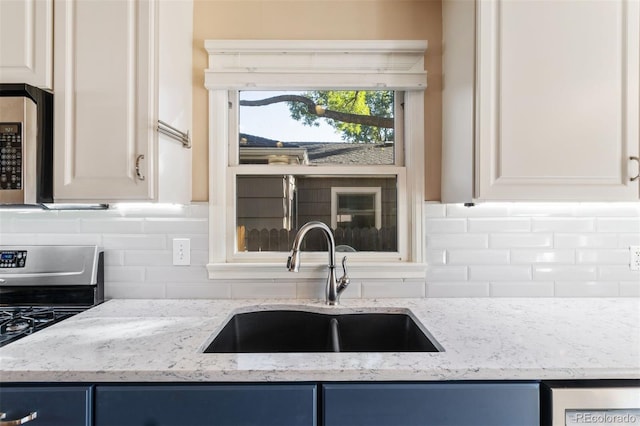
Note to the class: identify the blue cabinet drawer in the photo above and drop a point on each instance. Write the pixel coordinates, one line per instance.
(211, 405)
(441, 404)
(53, 405)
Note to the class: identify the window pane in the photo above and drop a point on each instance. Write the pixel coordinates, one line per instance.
(362, 211)
(317, 127)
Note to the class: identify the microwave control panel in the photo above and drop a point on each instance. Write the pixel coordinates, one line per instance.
(11, 155)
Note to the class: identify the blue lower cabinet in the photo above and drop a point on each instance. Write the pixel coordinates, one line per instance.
(441, 404)
(47, 405)
(211, 405)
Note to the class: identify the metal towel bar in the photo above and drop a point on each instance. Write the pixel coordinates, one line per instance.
(172, 132)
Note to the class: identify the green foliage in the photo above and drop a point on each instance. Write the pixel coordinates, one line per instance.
(361, 102)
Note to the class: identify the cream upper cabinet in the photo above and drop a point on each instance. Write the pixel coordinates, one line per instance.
(26, 34)
(112, 80)
(556, 98)
(557, 105)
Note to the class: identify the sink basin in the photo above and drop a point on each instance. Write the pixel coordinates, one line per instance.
(274, 331)
(302, 331)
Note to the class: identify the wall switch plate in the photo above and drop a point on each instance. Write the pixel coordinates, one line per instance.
(181, 251)
(634, 258)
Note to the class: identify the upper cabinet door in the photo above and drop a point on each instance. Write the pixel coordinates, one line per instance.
(26, 33)
(557, 105)
(105, 100)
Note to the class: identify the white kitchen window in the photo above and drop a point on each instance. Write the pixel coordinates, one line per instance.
(264, 185)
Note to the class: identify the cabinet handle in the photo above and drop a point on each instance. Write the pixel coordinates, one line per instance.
(17, 422)
(140, 176)
(635, 158)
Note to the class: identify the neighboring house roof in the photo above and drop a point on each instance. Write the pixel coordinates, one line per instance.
(323, 152)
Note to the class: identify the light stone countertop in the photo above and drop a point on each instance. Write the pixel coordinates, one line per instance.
(484, 339)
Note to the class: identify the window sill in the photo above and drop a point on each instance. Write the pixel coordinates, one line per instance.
(358, 271)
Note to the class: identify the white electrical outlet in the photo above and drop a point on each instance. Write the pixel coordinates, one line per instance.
(634, 258)
(181, 251)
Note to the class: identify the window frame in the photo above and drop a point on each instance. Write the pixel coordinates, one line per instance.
(236, 65)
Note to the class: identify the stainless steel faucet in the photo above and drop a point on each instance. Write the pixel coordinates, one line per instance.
(334, 286)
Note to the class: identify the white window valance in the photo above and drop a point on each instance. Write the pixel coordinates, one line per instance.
(344, 64)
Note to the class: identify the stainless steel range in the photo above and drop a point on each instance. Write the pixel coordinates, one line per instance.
(42, 285)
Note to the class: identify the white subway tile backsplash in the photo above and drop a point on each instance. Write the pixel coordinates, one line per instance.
(199, 257)
(446, 273)
(46, 225)
(626, 240)
(445, 226)
(541, 209)
(617, 273)
(568, 224)
(168, 274)
(585, 240)
(5, 225)
(630, 288)
(148, 257)
(315, 289)
(132, 242)
(7, 239)
(69, 239)
(499, 225)
(477, 257)
(603, 257)
(524, 240)
(461, 289)
(262, 290)
(175, 225)
(114, 258)
(134, 290)
(436, 256)
(390, 289)
(111, 225)
(618, 224)
(435, 210)
(586, 289)
(124, 274)
(608, 209)
(488, 250)
(522, 289)
(210, 290)
(354, 291)
(33, 214)
(500, 273)
(564, 273)
(536, 256)
(457, 241)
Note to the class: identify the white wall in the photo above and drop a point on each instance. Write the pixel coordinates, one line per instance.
(490, 250)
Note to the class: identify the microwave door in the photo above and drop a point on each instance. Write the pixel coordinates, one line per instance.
(26, 145)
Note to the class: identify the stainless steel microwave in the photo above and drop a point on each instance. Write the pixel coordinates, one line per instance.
(26, 145)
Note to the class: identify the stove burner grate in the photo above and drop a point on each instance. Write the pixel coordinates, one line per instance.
(19, 322)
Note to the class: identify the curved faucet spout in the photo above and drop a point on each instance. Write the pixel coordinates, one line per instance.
(293, 263)
(334, 287)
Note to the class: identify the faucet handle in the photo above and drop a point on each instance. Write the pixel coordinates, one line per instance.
(344, 281)
(344, 266)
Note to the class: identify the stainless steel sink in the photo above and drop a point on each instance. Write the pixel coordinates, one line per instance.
(276, 331)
